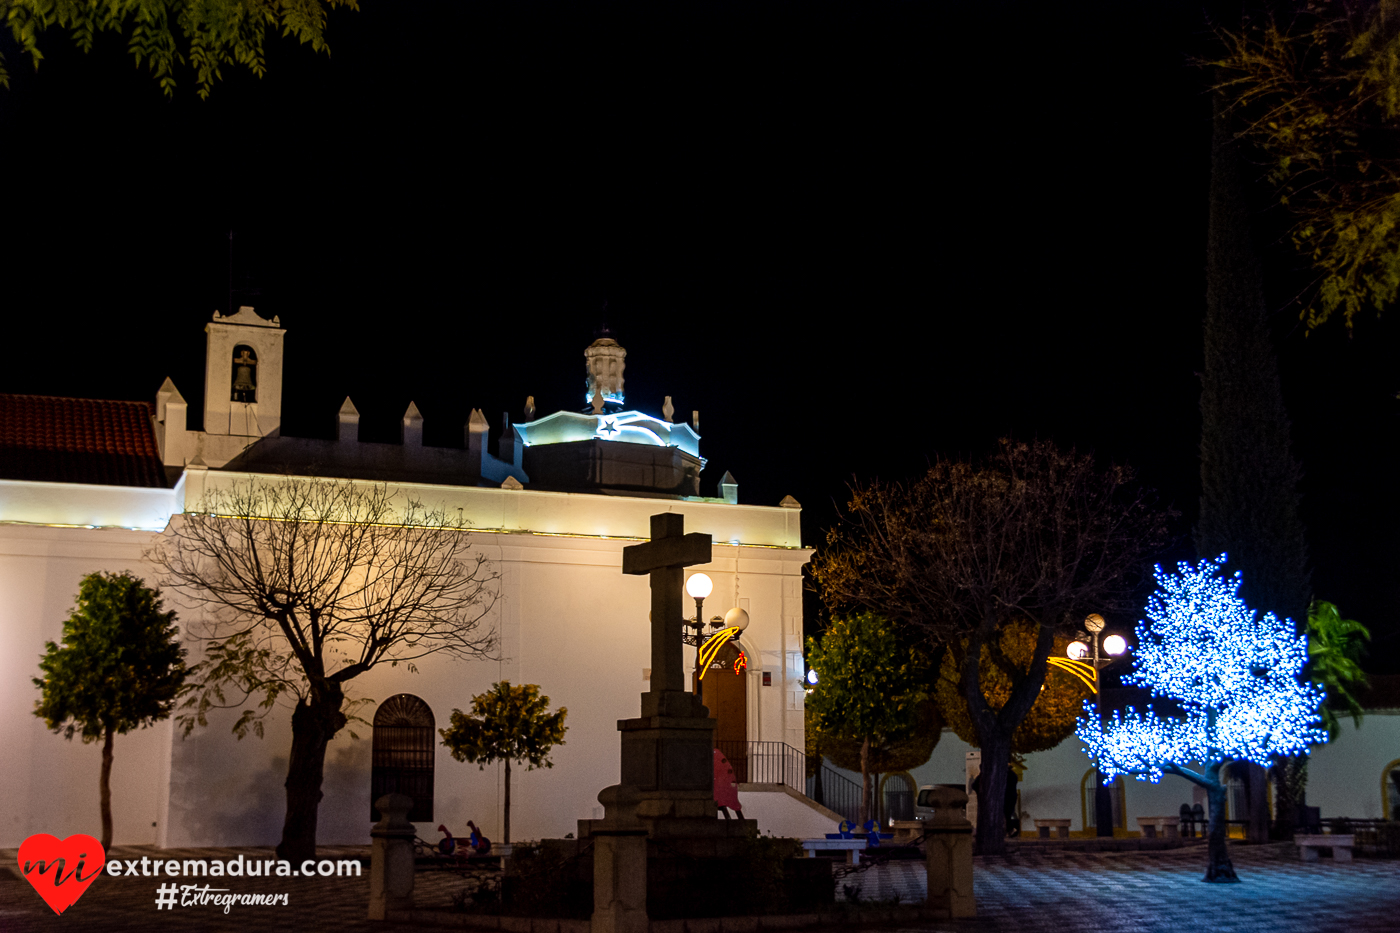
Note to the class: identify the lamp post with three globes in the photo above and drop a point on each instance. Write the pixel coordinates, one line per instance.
(1080, 665)
(708, 638)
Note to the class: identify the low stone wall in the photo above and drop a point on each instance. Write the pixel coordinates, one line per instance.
(438, 919)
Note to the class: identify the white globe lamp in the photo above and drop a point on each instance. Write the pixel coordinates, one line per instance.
(736, 618)
(699, 585)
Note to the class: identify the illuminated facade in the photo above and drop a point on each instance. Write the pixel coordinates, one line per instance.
(552, 509)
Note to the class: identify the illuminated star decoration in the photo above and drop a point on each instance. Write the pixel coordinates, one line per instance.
(1233, 672)
(608, 426)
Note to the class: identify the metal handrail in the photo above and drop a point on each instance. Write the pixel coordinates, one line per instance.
(838, 793)
(780, 763)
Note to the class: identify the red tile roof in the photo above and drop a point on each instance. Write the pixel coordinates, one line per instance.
(78, 440)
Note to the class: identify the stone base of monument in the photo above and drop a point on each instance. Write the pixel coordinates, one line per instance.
(948, 852)
(391, 857)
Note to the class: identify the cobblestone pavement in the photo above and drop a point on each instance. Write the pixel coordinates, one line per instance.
(1036, 891)
(1043, 891)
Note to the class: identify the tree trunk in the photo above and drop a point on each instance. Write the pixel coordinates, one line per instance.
(1249, 476)
(105, 790)
(1219, 868)
(315, 721)
(1103, 806)
(864, 781)
(991, 793)
(1257, 802)
(1290, 786)
(505, 830)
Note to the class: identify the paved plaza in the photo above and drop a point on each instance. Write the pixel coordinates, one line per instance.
(1032, 890)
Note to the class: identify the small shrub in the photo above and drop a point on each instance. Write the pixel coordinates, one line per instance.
(547, 881)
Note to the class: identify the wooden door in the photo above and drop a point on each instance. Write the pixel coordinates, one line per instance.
(724, 691)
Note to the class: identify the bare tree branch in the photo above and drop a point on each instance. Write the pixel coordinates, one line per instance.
(1033, 535)
(306, 585)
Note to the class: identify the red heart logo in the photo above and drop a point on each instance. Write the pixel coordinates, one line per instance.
(59, 869)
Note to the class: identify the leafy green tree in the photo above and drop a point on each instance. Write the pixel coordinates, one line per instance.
(119, 668)
(868, 689)
(1057, 707)
(1031, 535)
(165, 34)
(510, 724)
(899, 753)
(1334, 664)
(1316, 87)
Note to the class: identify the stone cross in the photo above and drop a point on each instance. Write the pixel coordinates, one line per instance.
(665, 558)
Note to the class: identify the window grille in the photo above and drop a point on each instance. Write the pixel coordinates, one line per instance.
(403, 756)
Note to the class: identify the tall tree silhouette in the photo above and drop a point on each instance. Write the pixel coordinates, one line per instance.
(1249, 476)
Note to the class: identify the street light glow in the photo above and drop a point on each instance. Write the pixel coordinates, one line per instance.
(699, 585)
(1114, 644)
(1077, 650)
(812, 677)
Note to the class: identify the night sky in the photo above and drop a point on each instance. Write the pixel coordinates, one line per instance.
(856, 236)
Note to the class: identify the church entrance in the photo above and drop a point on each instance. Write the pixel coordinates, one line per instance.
(724, 691)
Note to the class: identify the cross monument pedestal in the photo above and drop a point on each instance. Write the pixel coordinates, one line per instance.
(667, 790)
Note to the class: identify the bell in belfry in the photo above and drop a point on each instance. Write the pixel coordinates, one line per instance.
(245, 385)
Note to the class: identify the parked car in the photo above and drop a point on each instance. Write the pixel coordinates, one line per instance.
(922, 810)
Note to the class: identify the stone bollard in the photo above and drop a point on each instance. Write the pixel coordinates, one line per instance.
(619, 864)
(391, 857)
(948, 851)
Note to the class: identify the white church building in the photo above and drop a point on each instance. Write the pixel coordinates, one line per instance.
(89, 485)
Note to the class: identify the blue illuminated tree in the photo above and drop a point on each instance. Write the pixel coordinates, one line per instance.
(1231, 678)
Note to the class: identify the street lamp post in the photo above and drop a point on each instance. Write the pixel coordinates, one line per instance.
(698, 587)
(708, 639)
(1113, 646)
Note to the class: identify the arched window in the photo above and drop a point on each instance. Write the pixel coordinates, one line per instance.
(1117, 796)
(402, 760)
(1390, 790)
(897, 790)
(244, 386)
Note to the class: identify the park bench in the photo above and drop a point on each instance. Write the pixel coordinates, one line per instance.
(1061, 827)
(1309, 846)
(1169, 827)
(853, 847)
(1192, 820)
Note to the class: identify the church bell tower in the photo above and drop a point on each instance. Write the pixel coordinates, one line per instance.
(243, 375)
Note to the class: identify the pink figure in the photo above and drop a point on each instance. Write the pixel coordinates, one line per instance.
(726, 789)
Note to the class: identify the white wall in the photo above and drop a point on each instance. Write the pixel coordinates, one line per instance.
(569, 620)
(51, 784)
(1344, 777)
(77, 504)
